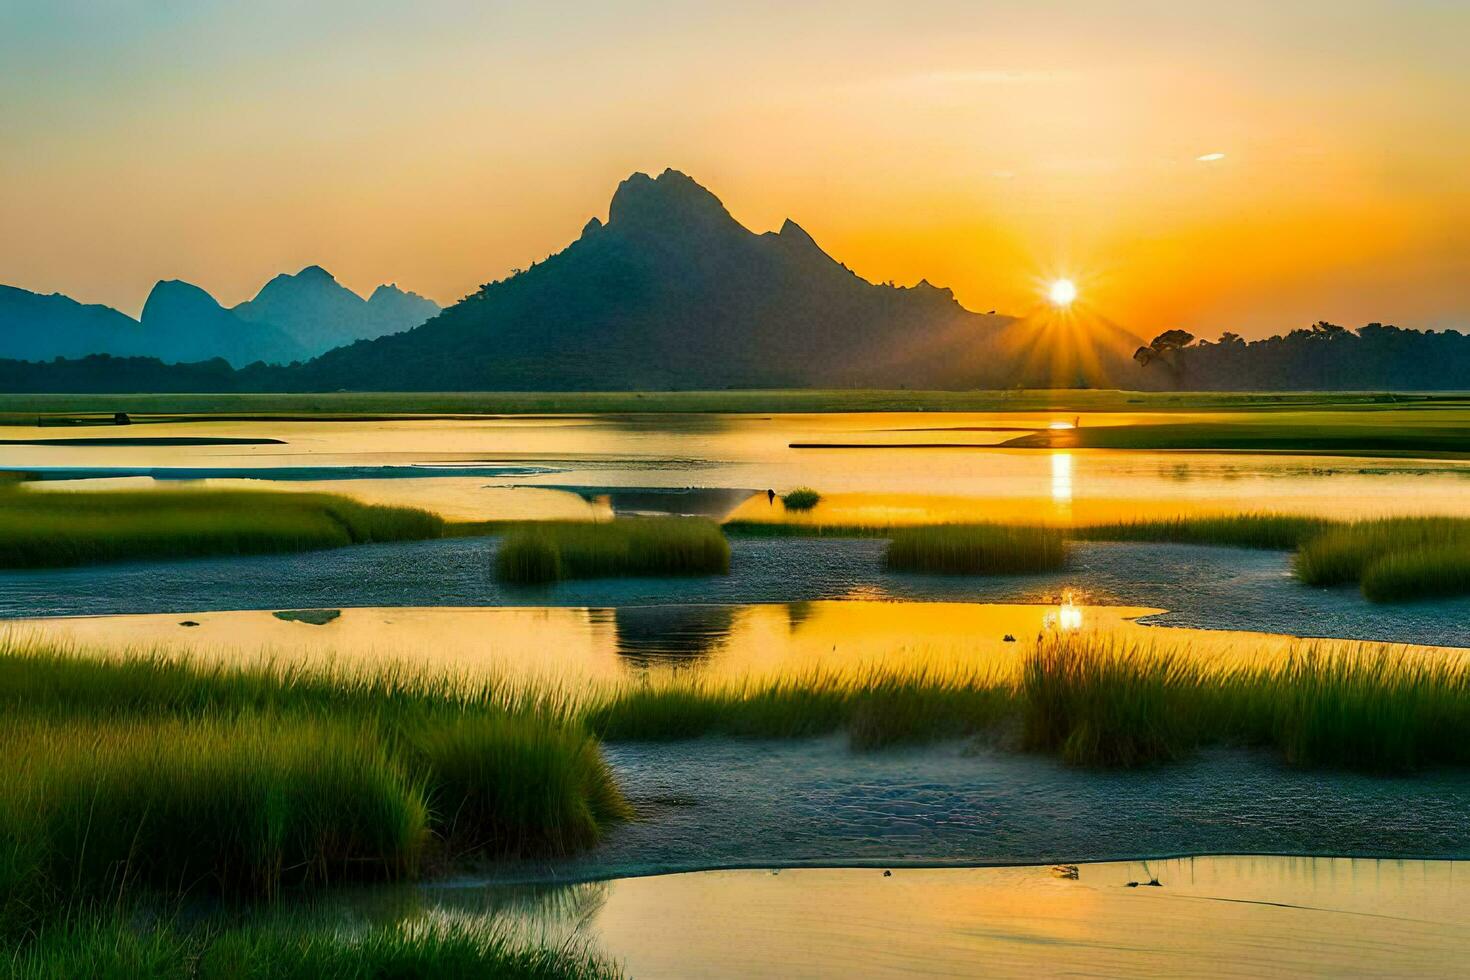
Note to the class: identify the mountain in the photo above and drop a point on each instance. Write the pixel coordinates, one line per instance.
(36, 327)
(319, 313)
(183, 324)
(292, 318)
(672, 292)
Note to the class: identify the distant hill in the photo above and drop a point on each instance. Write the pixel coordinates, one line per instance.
(319, 313)
(292, 318)
(184, 324)
(36, 327)
(672, 292)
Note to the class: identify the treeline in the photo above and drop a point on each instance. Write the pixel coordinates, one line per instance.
(1323, 356)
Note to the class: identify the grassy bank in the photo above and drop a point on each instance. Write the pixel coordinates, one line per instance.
(539, 553)
(153, 776)
(46, 528)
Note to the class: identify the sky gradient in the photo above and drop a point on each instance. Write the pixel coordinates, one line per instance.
(984, 146)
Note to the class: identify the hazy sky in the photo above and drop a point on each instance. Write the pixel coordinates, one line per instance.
(985, 146)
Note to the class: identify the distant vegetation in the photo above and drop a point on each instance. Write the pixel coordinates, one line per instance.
(976, 549)
(53, 528)
(543, 552)
(802, 498)
(25, 409)
(1322, 356)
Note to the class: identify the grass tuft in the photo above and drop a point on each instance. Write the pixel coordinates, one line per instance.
(535, 554)
(800, 499)
(976, 549)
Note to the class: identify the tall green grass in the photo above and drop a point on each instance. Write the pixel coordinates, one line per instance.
(239, 806)
(161, 775)
(114, 950)
(874, 709)
(1101, 703)
(549, 552)
(57, 528)
(1096, 702)
(1271, 531)
(976, 549)
(1391, 559)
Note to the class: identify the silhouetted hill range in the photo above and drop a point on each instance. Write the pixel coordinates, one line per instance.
(672, 292)
(292, 318)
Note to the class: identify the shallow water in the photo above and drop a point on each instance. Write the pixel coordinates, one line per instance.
(571, 647)
(1209, 916)
(877, 484)
(1213, 588)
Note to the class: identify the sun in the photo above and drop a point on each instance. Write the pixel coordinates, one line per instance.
(1062, 292)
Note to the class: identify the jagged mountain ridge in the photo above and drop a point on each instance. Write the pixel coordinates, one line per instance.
(672, 292)
(292, 318)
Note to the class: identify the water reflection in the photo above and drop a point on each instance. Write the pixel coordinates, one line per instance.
(572, 647)
(668, 636)
(1260, 915)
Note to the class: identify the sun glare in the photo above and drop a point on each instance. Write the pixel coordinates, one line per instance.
(1062, 292)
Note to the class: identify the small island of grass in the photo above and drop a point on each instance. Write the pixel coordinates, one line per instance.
(46, 528)
(545, 552)
(801, 499)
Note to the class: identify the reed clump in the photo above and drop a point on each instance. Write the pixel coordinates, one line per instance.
(1271, 531)
(875, 708)
(801, 499)
(539, 553)
(153, 774)
(59, 528)
(1393, 559)
(976, 549)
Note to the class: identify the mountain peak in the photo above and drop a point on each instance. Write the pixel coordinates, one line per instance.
(671, 198)
(175, 294)
(315, 272)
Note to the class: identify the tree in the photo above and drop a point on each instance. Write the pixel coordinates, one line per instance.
(1165, 347)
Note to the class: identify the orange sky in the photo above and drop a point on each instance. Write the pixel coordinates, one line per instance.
(983, 146)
